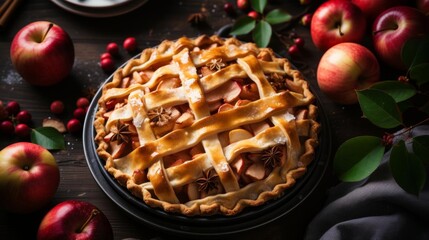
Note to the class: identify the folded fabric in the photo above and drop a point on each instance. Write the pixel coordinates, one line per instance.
(374, 208)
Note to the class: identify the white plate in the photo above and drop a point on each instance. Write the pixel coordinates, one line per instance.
(97, 3)
(100, 12)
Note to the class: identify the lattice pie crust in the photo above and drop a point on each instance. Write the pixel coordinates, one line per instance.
(206, 126)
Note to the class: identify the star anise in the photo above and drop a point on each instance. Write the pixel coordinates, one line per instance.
(121, 133)
(215, 64)
(197, 18)
(159, 116)
(208, 181)
(272, 156)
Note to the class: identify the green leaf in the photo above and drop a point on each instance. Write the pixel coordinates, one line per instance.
(358, 157)
(421, 147)
(399, 91)
(420, 73)
(262, 33)
(415, 51)
(243, 26)
(48, 137)
(259, 5)
(407, 169)
(277, 16)
(379, 108)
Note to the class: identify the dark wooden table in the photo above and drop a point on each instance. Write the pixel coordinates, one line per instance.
(150, 24)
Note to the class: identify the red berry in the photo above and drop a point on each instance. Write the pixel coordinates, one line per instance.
(299, 42)
(82, 102)
(306, 19)
(243, 4)
(57, 107)
(7, 128)
(293, 50)
(74, 126)
(229, 8)
(13, 108)
(108, 65)
(112, 48)
(23, 116)
(22, 130)
(79, 113)
(130, 44)
(106, 55)
(253, 14)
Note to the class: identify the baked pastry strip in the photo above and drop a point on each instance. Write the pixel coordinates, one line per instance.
(196, 98)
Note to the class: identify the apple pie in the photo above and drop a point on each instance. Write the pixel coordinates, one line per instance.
(206, 125)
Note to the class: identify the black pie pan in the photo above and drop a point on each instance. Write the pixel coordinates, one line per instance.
(204, 226)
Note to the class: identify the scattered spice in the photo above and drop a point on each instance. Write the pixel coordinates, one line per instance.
(215, 64)
(121, 134)
(159, 116)
(272, 156)
(208, 181)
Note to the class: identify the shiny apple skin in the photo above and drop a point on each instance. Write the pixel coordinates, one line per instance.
(65, 221)
(42, 62)
(372, 8)
(393, 28)
(345, 68)
(29, 177)
(325, 30)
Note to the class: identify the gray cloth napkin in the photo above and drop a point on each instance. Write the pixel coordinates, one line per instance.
(374, 208)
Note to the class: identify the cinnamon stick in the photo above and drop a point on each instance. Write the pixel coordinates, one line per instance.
(5, 6)
(10, 7)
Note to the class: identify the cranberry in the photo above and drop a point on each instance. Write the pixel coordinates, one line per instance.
(22, 130)
(113, 49)
(79, 113)
(57, 107)
(306, 19)
(130, 44)
(13, 108)
(23, 116)
(82, 102)
(74, 126)
(293, 50)
(229, 8)
(253, 14)
(7, 128)
(106, 55)
(108, 65)
(299, 42)
(243, 4)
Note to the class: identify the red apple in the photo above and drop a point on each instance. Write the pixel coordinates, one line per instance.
(74, 219)
(29, 177)
(393, 28)
(42, 53)
(372, 8)
(337, 21)
(345, 68)
(423, 5)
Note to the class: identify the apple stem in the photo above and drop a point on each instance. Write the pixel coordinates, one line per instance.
(386, 29)
(339, 29)
(94, 213)
(46, 33)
